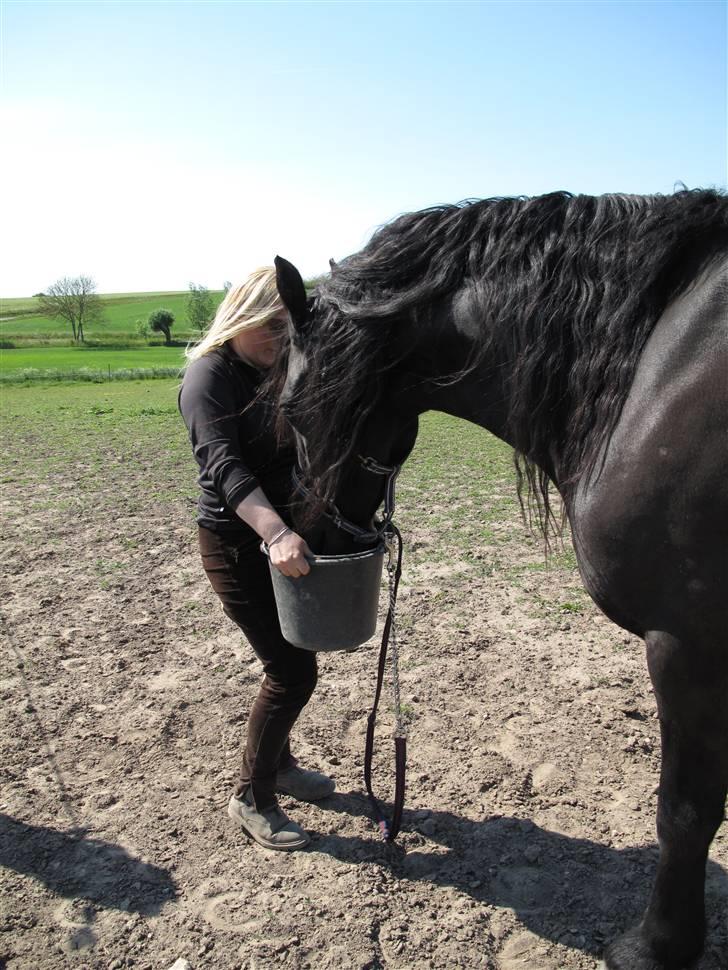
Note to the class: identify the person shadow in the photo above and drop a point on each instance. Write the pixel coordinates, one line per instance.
(94, 873)
(563, 889)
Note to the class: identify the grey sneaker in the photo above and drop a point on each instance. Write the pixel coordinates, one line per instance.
(270, 827)
(306, 786)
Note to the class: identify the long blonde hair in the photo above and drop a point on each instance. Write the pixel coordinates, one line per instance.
(250, 304)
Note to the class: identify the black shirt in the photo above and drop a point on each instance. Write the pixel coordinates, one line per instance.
(231, 430)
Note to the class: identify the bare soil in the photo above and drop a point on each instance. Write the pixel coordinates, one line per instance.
(528, 838)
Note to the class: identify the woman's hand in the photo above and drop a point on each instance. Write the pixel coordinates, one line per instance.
(287, 550)
(288, 555)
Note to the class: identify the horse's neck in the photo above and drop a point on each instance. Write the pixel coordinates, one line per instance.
(474, 397)
(438, 373)
(443, 375)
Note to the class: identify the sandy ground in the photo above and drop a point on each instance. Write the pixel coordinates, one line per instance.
(528, 838)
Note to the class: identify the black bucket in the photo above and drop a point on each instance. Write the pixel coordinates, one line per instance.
(333, 607)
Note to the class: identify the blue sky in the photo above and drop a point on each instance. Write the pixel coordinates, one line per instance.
(154, 144)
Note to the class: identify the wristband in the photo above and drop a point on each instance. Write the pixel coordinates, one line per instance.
(279, 535)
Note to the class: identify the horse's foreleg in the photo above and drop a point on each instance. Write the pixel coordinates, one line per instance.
(691, 687)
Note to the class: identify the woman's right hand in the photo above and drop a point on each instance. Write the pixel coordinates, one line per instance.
(288, 555)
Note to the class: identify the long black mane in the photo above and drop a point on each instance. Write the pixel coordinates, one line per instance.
(568, 289)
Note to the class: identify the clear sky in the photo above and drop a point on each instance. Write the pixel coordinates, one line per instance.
(150, 144)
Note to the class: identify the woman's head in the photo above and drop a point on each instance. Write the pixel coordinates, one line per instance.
(253, 304)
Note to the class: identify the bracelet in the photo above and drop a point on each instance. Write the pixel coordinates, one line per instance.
(279, 535)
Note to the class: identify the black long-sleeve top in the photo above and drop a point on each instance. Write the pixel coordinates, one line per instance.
(231, 431)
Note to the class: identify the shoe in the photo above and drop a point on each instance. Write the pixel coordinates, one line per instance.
(306, 786)
(269, 827)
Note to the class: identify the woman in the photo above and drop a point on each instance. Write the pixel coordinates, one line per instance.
(245, 482)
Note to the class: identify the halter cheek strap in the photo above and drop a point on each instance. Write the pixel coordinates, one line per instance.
(346, 525)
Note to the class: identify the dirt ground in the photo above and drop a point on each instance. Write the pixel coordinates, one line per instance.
(528, 835)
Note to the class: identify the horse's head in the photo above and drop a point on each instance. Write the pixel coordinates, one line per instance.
(346, 471)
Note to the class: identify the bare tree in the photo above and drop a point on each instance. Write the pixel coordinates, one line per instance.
(75, 300)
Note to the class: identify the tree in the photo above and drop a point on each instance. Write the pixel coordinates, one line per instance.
(75, 300)
(227, 286)
(199, 307)
(161, 322)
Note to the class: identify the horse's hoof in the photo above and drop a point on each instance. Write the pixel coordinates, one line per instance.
(633, 951)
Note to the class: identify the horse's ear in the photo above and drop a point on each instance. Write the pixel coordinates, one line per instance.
(292, 291)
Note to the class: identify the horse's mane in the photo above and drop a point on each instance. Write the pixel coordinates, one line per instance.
(568, 289)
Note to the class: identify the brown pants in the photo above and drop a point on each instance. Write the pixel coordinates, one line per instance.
(239, 575)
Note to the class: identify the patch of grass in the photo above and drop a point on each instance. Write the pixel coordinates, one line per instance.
(53, 363)
(33, 377)
(570, 607)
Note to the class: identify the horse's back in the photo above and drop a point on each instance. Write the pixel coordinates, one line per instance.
(651, 526)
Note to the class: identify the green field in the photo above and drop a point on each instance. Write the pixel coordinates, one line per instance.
(82, 424)
(35, 348)
(96, 358)
(459, 477)
(20, 322)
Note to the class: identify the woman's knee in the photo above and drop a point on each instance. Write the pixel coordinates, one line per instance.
(295, 677)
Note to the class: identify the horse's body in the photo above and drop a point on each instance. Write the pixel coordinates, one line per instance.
(626, 413)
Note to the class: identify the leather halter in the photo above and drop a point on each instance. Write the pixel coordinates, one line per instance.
(340, 521)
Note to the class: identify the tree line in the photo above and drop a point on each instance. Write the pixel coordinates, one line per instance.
(74, 301)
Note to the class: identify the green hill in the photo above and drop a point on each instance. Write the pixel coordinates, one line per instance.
(22, 325)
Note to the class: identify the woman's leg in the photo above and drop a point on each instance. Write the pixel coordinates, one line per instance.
(241, 578)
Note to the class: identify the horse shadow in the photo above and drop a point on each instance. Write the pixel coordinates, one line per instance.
(563, 889)
(94, 873)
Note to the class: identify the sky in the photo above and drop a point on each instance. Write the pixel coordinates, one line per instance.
(154, 144)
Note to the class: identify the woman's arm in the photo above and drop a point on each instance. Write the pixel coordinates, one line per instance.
(289, 550)
(210, 405)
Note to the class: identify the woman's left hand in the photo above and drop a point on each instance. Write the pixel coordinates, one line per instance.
(288, 555)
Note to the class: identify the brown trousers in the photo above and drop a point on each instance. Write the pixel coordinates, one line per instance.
(239, 575)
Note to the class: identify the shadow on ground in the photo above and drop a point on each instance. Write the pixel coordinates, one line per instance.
(72, 865)
(563, 889)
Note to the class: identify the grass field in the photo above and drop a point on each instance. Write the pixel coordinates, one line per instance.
(21, 323)
(28, 305)
(33, 365)
(35, 348)
(85, 422)
(82, 424)
(97, 358)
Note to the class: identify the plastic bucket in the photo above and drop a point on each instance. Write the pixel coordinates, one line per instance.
(335, 606)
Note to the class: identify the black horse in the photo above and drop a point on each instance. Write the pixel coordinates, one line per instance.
(592, 335)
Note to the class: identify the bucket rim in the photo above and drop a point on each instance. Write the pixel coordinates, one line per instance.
(379, 549)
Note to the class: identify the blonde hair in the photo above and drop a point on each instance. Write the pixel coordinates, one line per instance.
(250, 304)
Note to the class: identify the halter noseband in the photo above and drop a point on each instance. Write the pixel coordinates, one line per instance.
(340, 522)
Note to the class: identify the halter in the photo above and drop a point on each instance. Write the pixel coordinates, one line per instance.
(331, 512)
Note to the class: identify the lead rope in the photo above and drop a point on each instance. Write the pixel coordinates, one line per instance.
(388, 829)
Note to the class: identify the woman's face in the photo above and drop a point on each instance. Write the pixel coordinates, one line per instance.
(260, 345)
